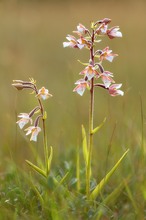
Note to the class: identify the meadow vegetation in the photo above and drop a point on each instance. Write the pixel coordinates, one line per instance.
(31, 46)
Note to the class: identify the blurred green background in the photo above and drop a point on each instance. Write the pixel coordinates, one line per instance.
(31, 37)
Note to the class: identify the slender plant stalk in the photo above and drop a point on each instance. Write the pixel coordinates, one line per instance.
(91, 113)
(44, 134)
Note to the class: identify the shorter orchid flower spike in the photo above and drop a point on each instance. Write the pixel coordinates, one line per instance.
(114, 32)
(81, 86)
(33, 130)
(114, 90)
(107, 54)
(43, 93)
(25, 118)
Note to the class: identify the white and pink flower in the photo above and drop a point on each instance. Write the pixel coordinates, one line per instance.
(114, 90)
(34, 131)
(106, 77)
(43, 93)
(89, 72)
(81, 86)
(81, 29)
(24, 120)
(107, 54)
(72, 42)
(114, 32)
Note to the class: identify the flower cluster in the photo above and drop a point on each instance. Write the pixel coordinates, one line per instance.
(26, 118)
(94, 68)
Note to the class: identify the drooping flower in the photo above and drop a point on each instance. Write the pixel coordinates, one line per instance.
(104, 21)
(106, 54)
(114, 32)
(89, 72)
(84, 42)
(33, 130)
(114, 90)
(43, 93)
(102, 29)
(81, 86)
(81, 29)
(25, 118)
(106, 77)
(73, 43)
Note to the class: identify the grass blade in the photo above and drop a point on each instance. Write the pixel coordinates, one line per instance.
(49, 160)
(102, 183)
(98, 127)
(36, 168)
(84, 141)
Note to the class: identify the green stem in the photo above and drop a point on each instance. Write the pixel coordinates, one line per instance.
(45, 147)
(44, 134)
(91, 113)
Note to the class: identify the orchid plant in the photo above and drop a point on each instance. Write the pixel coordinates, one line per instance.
(34, 129)
(94, 75)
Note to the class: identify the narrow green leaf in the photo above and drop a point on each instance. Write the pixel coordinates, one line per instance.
(112, 197)
(36, 168)
(131, 197)
(64, 178)
(85, 64)
(49, 160)
(98, 127)
(84, 142)
(103, 182)
(37, 191)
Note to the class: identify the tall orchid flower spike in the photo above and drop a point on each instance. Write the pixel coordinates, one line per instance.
(94, 70)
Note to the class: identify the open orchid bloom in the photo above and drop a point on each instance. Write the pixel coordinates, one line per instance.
(33, 131)
(114, 90)
(81, 29)
(102, 29)
(106, 77)
(72, 42)
(107, 54)
(114, 32)
(24, 120)
(43, 93)
(89, 72)
(81, 86)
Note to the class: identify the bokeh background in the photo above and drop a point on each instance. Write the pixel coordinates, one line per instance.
(31, 37)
